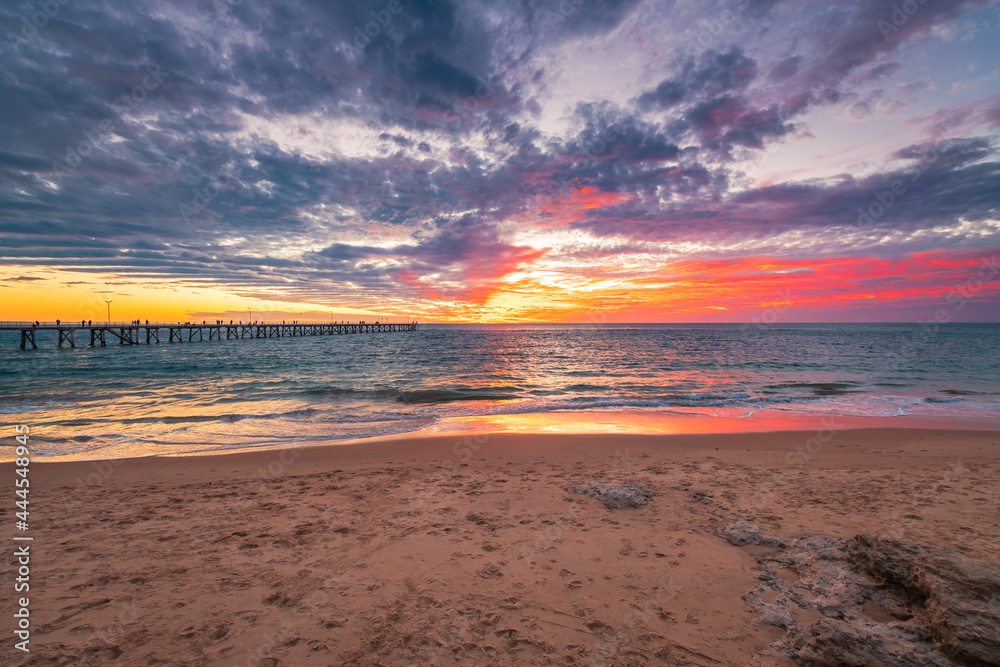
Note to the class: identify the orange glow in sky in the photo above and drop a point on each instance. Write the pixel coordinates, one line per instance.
(525, 287)
(70, 296)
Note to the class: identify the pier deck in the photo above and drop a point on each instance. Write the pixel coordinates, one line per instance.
(150, 334)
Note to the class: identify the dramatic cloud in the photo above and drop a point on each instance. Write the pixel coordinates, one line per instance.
(478, 159)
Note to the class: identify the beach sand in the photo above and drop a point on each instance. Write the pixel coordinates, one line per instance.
(468, 549)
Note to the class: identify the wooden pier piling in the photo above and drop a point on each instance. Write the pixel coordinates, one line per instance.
(133, 334)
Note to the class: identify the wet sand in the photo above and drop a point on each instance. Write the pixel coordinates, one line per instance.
(468, 548)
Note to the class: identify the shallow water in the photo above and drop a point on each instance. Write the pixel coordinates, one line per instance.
(188, 397)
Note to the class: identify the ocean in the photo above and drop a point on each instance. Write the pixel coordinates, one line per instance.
(211, 396)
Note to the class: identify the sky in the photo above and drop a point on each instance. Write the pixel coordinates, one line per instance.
(500, 161)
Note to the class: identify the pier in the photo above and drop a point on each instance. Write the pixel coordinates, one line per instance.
(151, 334)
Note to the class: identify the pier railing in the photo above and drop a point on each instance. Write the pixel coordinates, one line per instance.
(79, 324)
(131, 333)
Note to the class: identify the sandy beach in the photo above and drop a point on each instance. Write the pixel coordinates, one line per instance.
(472, 549)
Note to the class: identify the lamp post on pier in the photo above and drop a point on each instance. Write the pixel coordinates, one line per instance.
(108, 301)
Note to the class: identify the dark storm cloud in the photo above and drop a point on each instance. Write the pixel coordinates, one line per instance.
(709, 103)
(933, 183)
(727, 121)
(578, 17)
(851, 36)
(613, 138)
(714, 74)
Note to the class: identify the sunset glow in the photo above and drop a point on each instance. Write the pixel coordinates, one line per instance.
(536, 289)
(610, 162)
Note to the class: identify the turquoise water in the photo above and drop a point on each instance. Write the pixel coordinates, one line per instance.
(118, 401)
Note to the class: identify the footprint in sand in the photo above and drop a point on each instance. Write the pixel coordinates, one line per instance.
(491, 571)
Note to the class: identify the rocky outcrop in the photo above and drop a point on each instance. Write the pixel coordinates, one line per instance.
(867, 602)
(960, 594)
(742, 533)
(615, 497)
(835, 643)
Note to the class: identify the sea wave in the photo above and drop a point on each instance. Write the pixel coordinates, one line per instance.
(421, 395)
(818, 388)
(966, 392)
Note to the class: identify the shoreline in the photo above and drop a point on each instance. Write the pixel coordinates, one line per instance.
(616, 422)
(474, 547)
(789, 449)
